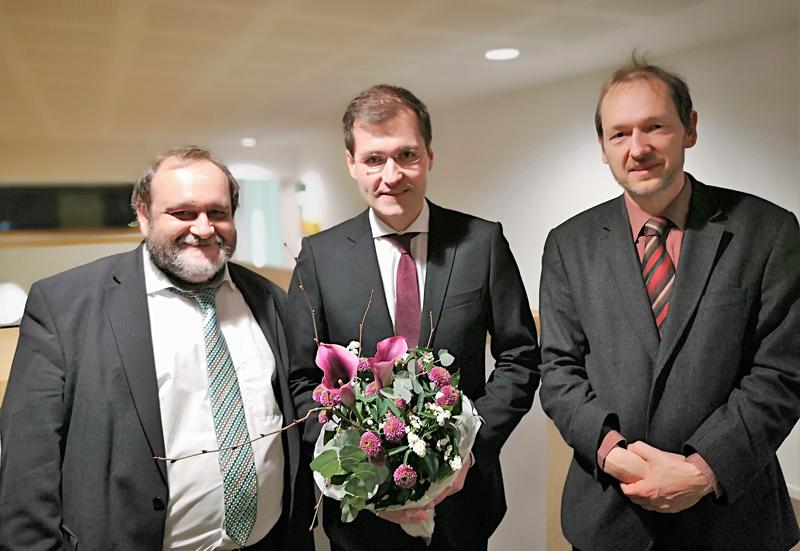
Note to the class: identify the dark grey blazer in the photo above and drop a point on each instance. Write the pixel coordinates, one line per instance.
(81, 423)
(724, 382)
(472, 287)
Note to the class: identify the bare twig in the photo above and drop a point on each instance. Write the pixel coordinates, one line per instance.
(430, 335)
(363, 320)
(316, 512)
(201, 452)
(311, 309)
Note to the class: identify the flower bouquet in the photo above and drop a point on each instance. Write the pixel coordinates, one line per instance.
(397, 428)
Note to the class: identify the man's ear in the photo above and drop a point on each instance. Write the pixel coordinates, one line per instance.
(430, 157)
(142, 218)
(602, 149)
(691, 133)
(351, 164)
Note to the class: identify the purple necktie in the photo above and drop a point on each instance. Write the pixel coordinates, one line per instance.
(407, 308)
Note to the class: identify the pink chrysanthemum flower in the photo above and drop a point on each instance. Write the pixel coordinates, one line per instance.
(400, 403)
(363, 364)
(447, 396)
(370, 444)
(328, 398)
(371, 389)
(317, 394)
(323, 417)
(439, 376)
(393, 428)
(405, 476)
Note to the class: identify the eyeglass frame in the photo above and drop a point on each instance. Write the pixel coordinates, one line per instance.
(400, 163)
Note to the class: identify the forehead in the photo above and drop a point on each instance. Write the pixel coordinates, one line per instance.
(402, 130)
(197, 181)
(637, 99)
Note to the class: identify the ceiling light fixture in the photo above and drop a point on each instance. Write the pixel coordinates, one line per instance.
(248, 142)
(502, 54)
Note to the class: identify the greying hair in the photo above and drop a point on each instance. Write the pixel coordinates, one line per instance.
(178, 158)
(640, 69)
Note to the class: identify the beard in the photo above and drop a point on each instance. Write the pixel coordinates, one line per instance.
(666, 180)
(189, 265)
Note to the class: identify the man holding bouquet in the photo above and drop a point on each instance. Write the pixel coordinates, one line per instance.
(440, 279)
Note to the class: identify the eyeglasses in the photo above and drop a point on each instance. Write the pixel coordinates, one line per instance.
(374, 163)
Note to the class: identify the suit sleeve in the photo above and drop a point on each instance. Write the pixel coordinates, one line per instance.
(741, 437)
(567, 395)
(512, 384)
(304, 375)
(32, 427)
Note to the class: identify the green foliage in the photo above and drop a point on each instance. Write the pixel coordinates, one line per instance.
(369, 482)
(445, 358)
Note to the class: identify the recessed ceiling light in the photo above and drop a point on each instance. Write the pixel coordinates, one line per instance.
(248, 142)
(502, 54)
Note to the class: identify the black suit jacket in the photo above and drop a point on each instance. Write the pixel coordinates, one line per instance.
(81, 422)
(472, 287)
(723, 382)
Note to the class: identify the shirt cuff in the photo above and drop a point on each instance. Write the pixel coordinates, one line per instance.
(611, 440)
(697, 460)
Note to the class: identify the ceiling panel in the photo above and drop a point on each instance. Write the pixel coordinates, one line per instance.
(196, 69)
(91, 12)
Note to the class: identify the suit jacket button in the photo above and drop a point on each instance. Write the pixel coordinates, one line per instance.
(158, 504)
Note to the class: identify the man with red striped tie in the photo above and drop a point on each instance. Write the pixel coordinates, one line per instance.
(670, 348)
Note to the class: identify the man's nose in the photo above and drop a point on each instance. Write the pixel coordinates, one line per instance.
(202, 227)
(391, 172)
(640, 144)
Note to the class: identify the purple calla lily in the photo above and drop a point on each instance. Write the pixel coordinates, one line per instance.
(382, 364)
(339, 366)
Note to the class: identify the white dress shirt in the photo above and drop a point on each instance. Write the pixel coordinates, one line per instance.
(196, 511)
(389, 255)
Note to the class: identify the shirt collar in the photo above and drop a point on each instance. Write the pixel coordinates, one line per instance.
(382, 229)
(676, 212)
(156, 281)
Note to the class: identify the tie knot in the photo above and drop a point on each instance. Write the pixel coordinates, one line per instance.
(657, 225)
(204, 297)
(403, 240)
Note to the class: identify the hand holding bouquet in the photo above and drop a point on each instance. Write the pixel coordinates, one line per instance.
(397, 429)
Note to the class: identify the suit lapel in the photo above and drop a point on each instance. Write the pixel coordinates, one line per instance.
(698, 255)
(365, 276)
(262, 304)
(263, 308)
(616, 243)
(441, 253)
(126, 299)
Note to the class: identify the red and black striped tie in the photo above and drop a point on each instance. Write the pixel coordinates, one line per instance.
(657, 268)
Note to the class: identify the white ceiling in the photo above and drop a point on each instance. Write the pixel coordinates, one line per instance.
(199, 71)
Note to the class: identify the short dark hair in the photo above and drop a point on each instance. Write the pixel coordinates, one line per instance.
(640, 69)
(180, 157)
(380, 103)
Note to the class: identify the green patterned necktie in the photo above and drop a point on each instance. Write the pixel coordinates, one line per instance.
(237, 465)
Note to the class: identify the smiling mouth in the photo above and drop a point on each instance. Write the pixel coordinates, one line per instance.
(647, 168)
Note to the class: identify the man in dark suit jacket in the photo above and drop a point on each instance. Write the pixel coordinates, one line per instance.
(685, 346)
(98, 388)
(470, 287)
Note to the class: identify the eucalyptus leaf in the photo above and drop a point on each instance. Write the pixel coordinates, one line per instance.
(402, 388)
(445, 358)
(327, 464)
